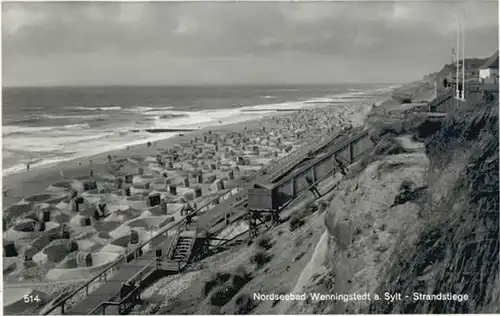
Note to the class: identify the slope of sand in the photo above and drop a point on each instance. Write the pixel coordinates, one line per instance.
(365, 228)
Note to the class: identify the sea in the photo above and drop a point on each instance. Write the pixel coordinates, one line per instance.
(44, 125)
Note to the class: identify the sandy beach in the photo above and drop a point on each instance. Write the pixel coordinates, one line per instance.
(104, 202)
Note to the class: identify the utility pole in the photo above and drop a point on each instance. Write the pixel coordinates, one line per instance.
(463, 56)
(457, 92)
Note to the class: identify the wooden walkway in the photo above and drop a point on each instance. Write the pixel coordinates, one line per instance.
(110, 289)
(288, 162)
(211, 219)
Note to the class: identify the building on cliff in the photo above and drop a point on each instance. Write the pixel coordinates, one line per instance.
(488, 72)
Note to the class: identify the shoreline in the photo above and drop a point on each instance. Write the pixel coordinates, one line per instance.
(315, 120)
(30, 182)
(139, 142)
(157, 134)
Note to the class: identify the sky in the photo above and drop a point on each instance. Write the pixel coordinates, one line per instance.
(183, 43)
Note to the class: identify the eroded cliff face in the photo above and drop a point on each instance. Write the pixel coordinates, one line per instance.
(421, 217)
(421, 221)
(366, 227)
(457, 252)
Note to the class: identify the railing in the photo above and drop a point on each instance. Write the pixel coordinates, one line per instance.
(316, 178)
(139, 276)
(441, 98)
(338, 147)
(105, 304)
(289, 160)
(135, 252)
(123, 259)
(172, 245)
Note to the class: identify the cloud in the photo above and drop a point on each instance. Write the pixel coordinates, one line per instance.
(16, 18)
(67, 33)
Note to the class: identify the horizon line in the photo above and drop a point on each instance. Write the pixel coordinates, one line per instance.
(196, 85)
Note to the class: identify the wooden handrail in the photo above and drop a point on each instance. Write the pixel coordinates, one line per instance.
(314, 147)
(131, 252)
(321, 159)
(141, 272)
(161, 232)
(111, 303)
(173, 244)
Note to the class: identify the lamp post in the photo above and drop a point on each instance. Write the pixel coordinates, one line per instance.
(463, 56)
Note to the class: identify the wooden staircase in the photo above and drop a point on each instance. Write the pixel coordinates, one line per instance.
(180, 253)
(184, 246)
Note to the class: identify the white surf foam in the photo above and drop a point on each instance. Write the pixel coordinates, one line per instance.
(79, 141)
(101, 108)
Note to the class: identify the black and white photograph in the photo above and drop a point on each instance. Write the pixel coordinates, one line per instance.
(250, 157)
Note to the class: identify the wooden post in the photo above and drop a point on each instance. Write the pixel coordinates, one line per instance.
(334, 164)
(313, 175)
(351, 153)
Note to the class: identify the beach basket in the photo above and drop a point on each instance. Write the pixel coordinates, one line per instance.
(89, 185)
(126, 191)
(45, 215)
(154, 199)
(85, 221)
(163, 207)
(197, 192)
(9, 249)
(172, 189)
(129, 178)
(84, 259)
(134, 237)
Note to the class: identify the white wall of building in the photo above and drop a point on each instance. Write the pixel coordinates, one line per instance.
(488, 73)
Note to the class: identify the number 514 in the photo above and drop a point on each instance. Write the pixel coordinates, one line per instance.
(31, 298)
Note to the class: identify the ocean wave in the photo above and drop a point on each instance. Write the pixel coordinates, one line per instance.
(147, 109)
(156, 112)
(268, 97)
(27, 146)
(84, 149)
(320, 100)
(387, 89)
(139, 109)
(33, 109)
(171, 116)
(30, 119)
(78, 140)
(103, 108)
(10, 130)
(60, 117)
